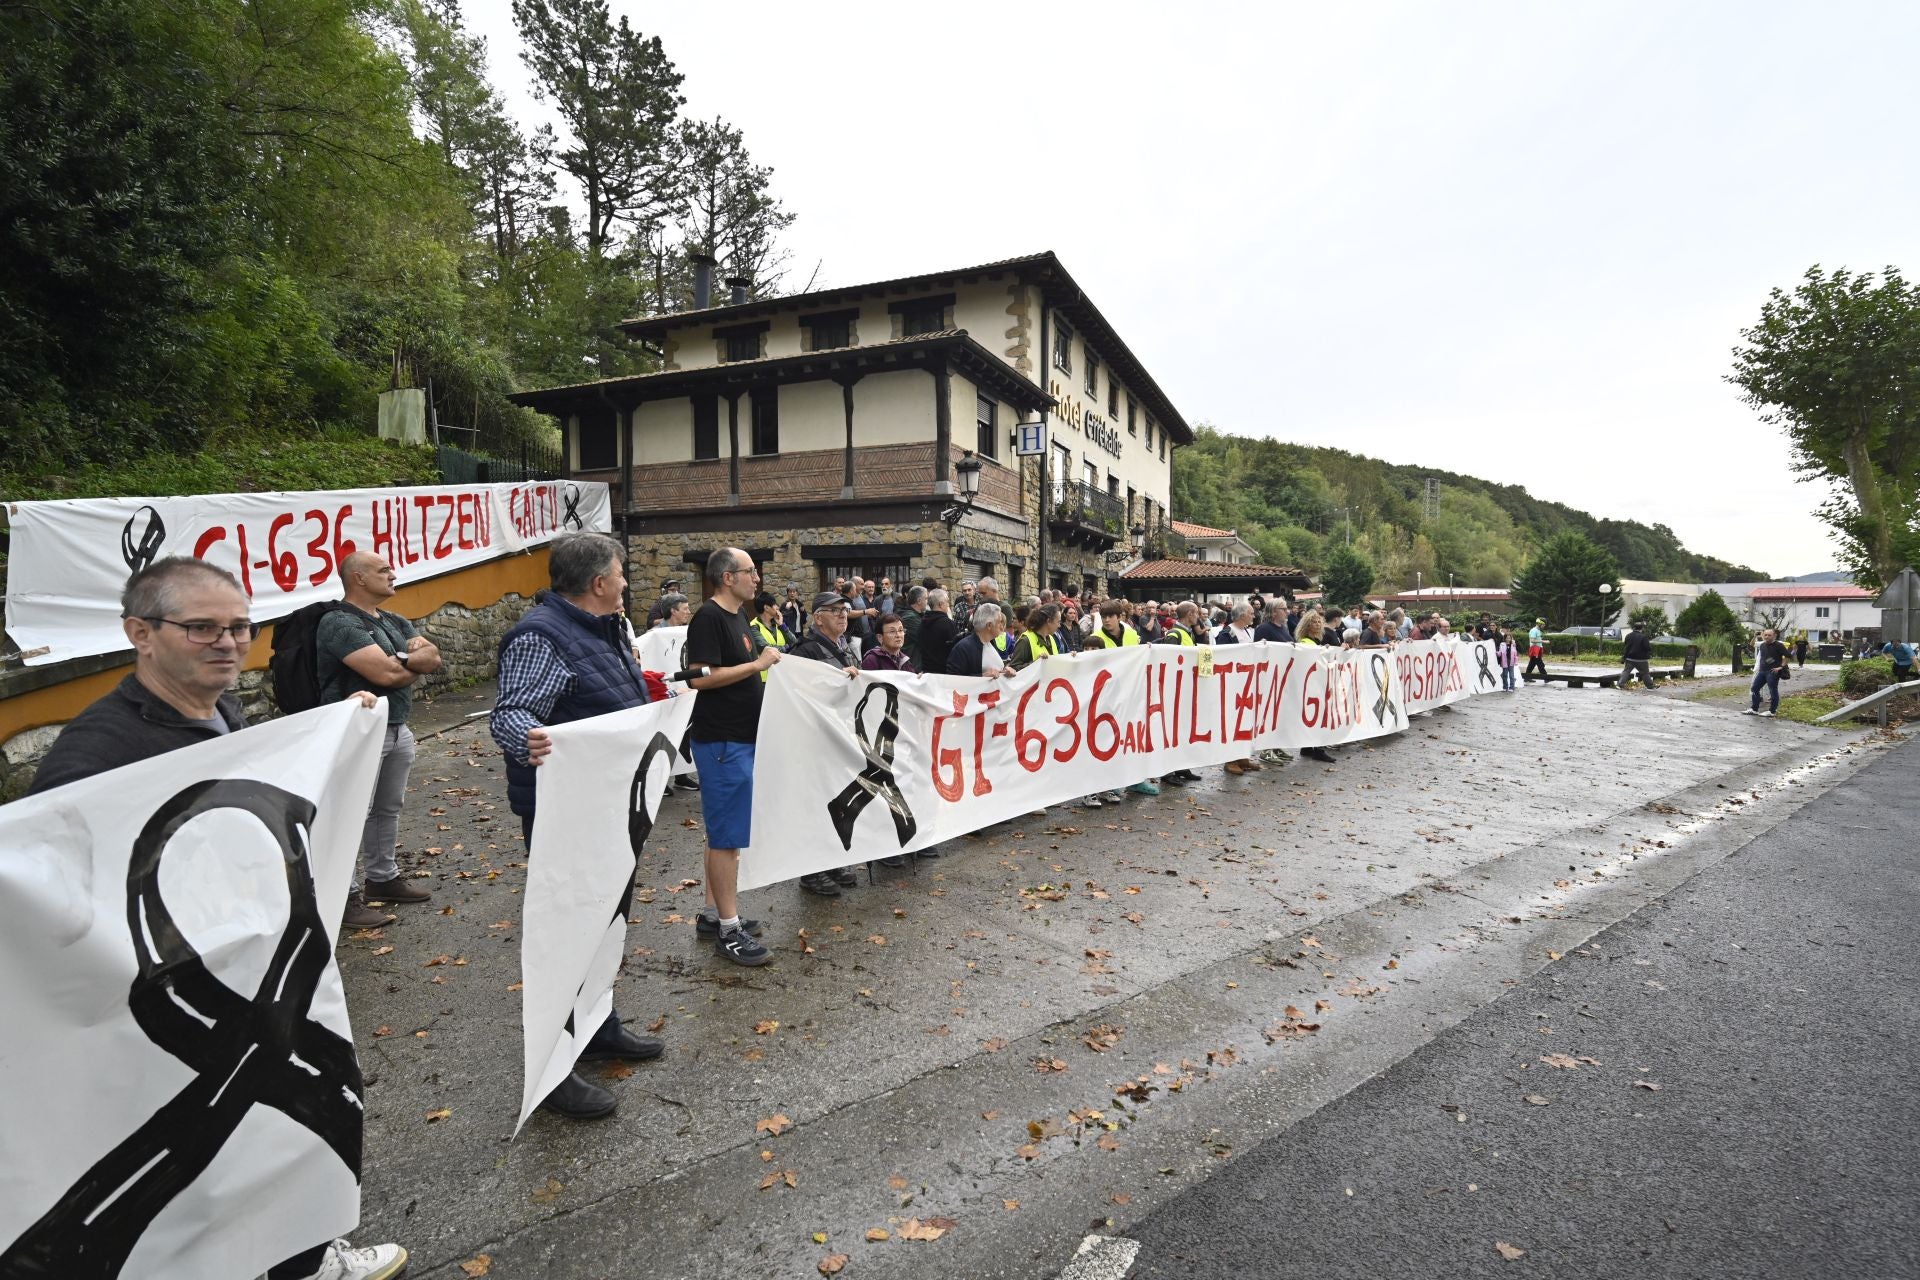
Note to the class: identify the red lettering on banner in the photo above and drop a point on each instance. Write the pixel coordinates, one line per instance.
(1277, 696)
(464, 537)
(1246, 703)
(1193, 714)
(317, 548)
(218, 533)
(383, 530)
(982, 785)
(1309, 700)
(1096, 718)
(423, 504)
(947, 759)
(281, 564)
(1070, 720)
(1023, 735)
(1155, 706)
(1179, 689)
(442, 547)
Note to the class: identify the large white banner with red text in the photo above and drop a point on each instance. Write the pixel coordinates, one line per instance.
(70, 560)
(854, 768)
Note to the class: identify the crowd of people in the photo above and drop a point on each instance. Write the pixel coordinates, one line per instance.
(574, 655)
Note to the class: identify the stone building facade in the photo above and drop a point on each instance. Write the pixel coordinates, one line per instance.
(826, 434)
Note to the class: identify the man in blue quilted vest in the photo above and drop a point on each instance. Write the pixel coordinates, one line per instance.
(568, 659)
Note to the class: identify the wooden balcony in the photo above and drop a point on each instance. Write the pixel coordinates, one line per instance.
(881, 474)
(1082, 515)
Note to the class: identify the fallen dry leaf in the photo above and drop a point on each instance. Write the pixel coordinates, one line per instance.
(478, 1265)
(914, 1229)
(877, 939)
(516, 986)
(897, 1182)
(1120, 1198)
(773, 1125)
(383, 951)
(1507, 1251)
(441, 1114)
(437, 960)
(1535, 1100)
(834, 1263)
(1045, 1065)
(1010, 1205)
(877, 1234)
(1108, 1142)
(657, 1023)
(1564, 1061)
(766, 1028)
(382, 1030)
(549, 1193)
(616, 1071)
(1101, 1038)
(1648, 1085)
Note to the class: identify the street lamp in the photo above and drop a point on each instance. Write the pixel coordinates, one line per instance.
(968, 470)
(1606, 589)
(1139, 535)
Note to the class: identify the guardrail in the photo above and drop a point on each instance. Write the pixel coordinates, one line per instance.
(1877, 699)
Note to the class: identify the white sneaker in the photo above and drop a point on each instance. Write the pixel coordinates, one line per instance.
(1751, 711)
(1090, 802)
(344, 1262)
(1765, 715)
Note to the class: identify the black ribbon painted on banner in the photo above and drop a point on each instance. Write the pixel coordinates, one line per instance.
(139, 552)
(1383, 708)
(1480, 656)
(264, 1050)
(571, 496)
(639, 829)
(877, 778)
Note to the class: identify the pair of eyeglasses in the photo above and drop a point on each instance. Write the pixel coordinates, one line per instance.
(208, 632)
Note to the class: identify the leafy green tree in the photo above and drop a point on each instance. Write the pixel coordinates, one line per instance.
(1562, 582)
(1347, 578)
(1651, 616)
(1836, 363)
(619, 95)
(1708, 615)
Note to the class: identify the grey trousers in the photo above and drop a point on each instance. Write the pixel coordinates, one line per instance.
(383, 815)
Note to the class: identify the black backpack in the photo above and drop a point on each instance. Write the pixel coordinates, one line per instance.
(295, 664)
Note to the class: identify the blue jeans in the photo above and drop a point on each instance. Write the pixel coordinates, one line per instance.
(1770, 681)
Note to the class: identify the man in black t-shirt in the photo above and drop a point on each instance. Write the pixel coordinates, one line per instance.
(726, 723)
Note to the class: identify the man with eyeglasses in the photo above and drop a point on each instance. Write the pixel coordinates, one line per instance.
(188, 625)
(361, 646)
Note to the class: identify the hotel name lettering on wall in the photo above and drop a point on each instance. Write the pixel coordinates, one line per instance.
(1076, 415)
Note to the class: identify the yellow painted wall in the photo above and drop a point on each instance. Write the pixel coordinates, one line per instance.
(476, 588)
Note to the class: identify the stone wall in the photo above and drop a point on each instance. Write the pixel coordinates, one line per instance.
(468, 640)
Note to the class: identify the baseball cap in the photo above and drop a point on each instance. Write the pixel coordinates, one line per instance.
(828, 600)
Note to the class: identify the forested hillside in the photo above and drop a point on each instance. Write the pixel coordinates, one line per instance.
(227, 225)
(1293, 504)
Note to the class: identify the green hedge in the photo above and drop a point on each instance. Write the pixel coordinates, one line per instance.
(1860, 677)
(1571, 645)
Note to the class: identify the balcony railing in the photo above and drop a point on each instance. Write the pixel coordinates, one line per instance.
(1082, 513)
(1164, 544)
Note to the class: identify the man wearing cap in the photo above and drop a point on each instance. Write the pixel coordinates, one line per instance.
(1536, 649)
(663, 606)
(825, 642)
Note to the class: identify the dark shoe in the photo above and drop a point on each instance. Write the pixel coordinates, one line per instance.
(396, 890)
(688, 781)
(578, 1098)
(709, 926)
(821, 883)
(1177, 778)
(359, 915)
(845, 877)
(740, 948)
(926, 853)
(1316, 753)
(613, 1041)
(897, 860)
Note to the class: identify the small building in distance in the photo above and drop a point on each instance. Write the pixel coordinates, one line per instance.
(1824, 610)
(1452, 600)
(1214, 546)
(830, 433)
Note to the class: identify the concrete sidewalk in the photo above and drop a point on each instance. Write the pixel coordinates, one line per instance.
(937, 1046)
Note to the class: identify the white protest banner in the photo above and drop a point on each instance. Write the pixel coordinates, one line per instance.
(595, 800)
(179, 1095)
(663, 649)
(850, 769)
(69, 561)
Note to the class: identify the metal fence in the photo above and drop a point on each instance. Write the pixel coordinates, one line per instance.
(1084, 505)
(457, 466)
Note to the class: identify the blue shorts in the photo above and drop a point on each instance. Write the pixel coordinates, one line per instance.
(726, 792)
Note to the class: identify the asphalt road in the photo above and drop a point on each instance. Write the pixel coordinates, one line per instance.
(1736, 1095)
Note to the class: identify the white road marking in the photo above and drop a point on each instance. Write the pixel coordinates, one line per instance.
(1102, 1258)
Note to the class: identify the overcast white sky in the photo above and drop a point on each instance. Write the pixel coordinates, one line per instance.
(1515, 241)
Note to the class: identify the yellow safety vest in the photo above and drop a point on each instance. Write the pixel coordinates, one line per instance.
(1186, 636)
(1101, 640)
(1033, 648)
(767, 638)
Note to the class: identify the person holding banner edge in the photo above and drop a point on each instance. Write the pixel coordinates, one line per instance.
(824, 643)
(568, 659)
(187, 622)
(361, 646)
(726, 722)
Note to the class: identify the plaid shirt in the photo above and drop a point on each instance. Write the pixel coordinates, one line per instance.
(532, 679)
